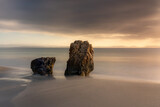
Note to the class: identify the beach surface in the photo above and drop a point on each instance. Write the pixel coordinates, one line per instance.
(18, 90)
(88, 92)
(11, 84)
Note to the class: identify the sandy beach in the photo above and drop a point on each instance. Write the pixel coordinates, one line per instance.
(93, 91)
(11, 84)
(89, 92)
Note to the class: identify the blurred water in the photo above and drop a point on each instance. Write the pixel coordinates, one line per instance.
(131, 63)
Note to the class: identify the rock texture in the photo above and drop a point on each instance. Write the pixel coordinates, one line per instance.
(80, 59)
(43, 65)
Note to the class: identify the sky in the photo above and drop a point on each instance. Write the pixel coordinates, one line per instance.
(57, 23)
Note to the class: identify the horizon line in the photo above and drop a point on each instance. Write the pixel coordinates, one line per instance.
(69, 47)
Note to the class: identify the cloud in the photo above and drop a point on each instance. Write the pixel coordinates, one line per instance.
(132, 18)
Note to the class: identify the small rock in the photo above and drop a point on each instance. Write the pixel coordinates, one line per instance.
(43, 65)
(80, 60)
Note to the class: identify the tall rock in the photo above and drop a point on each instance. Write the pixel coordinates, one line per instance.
(43, 65)
(80, 60)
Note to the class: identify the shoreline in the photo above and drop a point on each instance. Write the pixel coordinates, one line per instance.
(89, 92)
(93, 91)
(11, 84)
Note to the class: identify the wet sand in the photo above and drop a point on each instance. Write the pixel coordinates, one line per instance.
(19, 90)
(89, 92)
(11, 84)
(4, 69)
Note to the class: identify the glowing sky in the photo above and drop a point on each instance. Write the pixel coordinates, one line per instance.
(57, 23)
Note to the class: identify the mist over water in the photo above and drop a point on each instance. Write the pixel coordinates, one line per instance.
(143, 63)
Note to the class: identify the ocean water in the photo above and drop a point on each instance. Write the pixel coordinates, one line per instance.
(137, 63)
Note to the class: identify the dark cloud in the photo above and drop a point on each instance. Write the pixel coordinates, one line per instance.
(131, 17)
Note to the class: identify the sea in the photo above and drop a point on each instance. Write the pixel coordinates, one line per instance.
(132, 63)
